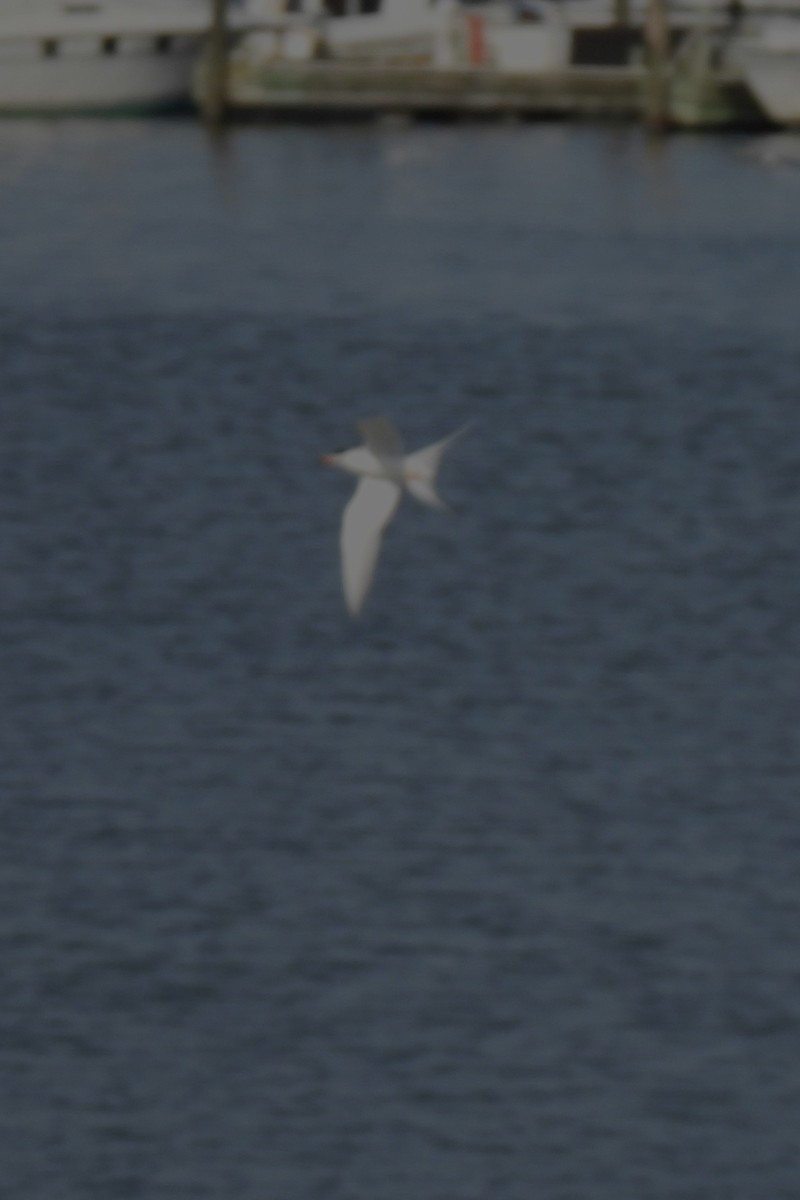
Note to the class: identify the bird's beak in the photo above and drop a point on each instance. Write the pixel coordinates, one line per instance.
(326, 459)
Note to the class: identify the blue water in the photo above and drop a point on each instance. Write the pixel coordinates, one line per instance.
(495, 893)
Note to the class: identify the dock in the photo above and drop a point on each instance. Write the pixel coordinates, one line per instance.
(319, 88)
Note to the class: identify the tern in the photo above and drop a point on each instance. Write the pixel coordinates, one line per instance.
(383, 471)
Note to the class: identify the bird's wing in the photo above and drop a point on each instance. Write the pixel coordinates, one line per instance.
(366, 516)
(381, 437)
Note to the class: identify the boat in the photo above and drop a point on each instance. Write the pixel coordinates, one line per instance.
(443, 34)
(524, 57)
(771, 65)
(510, 36)
(98, 56)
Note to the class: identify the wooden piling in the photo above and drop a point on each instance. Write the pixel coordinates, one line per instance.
(622, 13)
(655, 101)
(215, 93)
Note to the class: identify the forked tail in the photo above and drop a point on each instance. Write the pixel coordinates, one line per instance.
(421, 467)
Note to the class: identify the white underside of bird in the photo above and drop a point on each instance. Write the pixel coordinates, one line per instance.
(383, 472)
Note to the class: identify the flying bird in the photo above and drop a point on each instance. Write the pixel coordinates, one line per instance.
(383, 470)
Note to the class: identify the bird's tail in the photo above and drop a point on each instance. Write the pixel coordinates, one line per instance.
(421, 467)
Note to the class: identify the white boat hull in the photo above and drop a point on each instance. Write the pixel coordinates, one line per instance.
(95, 82)
(98, 55)
(770, 62)
(774, 78)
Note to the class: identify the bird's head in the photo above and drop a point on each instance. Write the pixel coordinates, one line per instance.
(358, 461)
